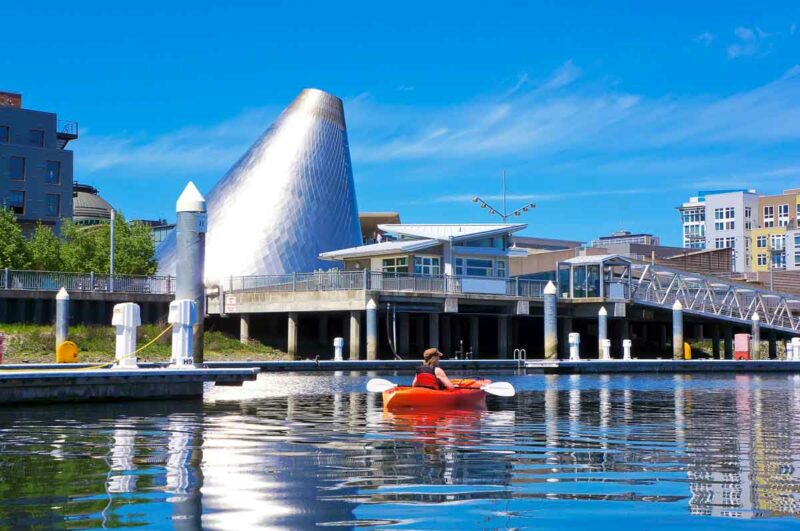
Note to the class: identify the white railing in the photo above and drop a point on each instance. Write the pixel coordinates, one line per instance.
(379, 281)
(14, 279)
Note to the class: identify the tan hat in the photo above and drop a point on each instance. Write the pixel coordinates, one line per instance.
(432, 352)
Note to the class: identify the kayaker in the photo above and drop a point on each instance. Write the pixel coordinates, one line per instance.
(430, 374)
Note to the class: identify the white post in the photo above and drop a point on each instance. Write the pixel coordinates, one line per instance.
(795, 349)
(182, 317)
(574, 346)
(62, 316)
(626, 349)
(126, 318)
(677, 331)
(606, 345)
(602, 329)
(338, 348)
(550, 322)
(755, 340)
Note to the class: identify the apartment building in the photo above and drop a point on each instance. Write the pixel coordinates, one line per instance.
(35, 166)
(730, 217)
(773, 240)
(693, 222)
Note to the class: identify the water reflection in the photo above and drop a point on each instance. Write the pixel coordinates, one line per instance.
(298, 451)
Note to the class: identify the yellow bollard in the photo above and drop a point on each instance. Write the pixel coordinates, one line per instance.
(67, 352)
(687, 351)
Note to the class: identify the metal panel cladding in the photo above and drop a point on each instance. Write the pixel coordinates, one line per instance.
(288, 199)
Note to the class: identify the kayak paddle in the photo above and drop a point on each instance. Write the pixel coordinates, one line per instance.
(499, 389)
(379, 385)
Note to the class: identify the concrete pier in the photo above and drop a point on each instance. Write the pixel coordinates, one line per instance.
(372, 329)
(291, 340)
(728, 342)
(244, 328)
(403, 332)
(446, 335)
(433, 330)
(474, 335)
(677, 331)
(550, 320)
(355, 334)
(602, 330)
(502, 337)
(715, 351)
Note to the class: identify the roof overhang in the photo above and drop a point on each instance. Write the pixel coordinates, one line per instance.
(379, 249)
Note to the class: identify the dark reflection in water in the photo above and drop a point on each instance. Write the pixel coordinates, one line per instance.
(302, 450)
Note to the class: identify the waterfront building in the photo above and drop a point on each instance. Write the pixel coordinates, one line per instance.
(793, 249)
(370, 221)
(538, 244)
(469, 250)
(35, 166)
(289, 198)
(626, 237)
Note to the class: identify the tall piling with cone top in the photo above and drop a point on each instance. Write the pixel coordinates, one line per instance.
(755, 337)
(677, 331)
(550, 322)
(62, 316)
(602, 330)
(190, 264)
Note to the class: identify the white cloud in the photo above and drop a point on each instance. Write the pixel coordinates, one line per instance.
(750, 42)
(705, 38)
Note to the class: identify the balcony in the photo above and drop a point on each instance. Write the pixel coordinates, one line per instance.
(65, 131)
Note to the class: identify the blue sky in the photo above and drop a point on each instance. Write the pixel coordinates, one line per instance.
(607, 116)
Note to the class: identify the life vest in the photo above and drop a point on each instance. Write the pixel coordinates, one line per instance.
(426, 377)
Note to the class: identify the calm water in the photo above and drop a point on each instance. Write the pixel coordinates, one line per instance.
(303, 450)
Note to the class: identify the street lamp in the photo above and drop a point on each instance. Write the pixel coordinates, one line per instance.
(111, 258)
(504, 215)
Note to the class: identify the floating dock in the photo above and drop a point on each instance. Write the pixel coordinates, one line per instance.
(42, 384)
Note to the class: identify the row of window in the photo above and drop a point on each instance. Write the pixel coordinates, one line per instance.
(694, 216)
(431, 265)
(18, 171)
(35, 136)
(778, 260)
(783, 215)
(725, 243)
(16, 202)
(778, 241)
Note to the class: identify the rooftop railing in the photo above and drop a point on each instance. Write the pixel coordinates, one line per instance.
(12, 279)
(380, 281)
(64, 127)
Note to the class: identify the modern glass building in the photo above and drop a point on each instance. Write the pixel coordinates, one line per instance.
(290, 198)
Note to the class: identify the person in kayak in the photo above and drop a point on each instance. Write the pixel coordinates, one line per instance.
(430, 375)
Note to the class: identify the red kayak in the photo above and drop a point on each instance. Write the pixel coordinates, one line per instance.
(467, 395)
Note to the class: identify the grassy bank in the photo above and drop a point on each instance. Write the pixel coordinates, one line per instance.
(35, 344)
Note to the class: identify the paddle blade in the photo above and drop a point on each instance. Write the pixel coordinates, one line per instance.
(500, 389)
(379, 385)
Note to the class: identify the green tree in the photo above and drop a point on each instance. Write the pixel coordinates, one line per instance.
(89, 248)
(13, 248)
(44, 249)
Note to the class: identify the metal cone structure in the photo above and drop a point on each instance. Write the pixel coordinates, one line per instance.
(288, 199)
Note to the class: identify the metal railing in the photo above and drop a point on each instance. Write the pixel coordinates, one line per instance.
(68, 128)
(13, 279)
(380, 281)
(714, 297)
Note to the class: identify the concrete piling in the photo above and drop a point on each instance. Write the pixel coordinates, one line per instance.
(502, 337)
(372, 329)
(355, 334)
(550, 320)
(677, 331)
(433, 330)
(62, 316)
(602, 330)
(755, 337)
(292, 335)
(244, 328)
(474, 335)
(191, 252)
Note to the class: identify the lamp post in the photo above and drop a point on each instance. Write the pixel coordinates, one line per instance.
(504, 215)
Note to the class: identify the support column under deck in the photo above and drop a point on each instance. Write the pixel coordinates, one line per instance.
(291, 343)
(355, 334)
(502, 337)
(474, 335)
(244, 328)
(402, 335)
(433, 330)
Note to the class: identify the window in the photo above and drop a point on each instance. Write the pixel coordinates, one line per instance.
(36, 137)
(761, 259)
(769, 216)
(777, 242)
(748, 225)
(761, 242)
(16, 202)
(426, 265)
(53, 205)
(5, 133)
(500, 268)
(797, 241)
(725, 243)
(479, 267)
(53, 175)
(395, 265)
(779, 260)
(783, 215)
(718, 213)
(16, 168)
(748, 212)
